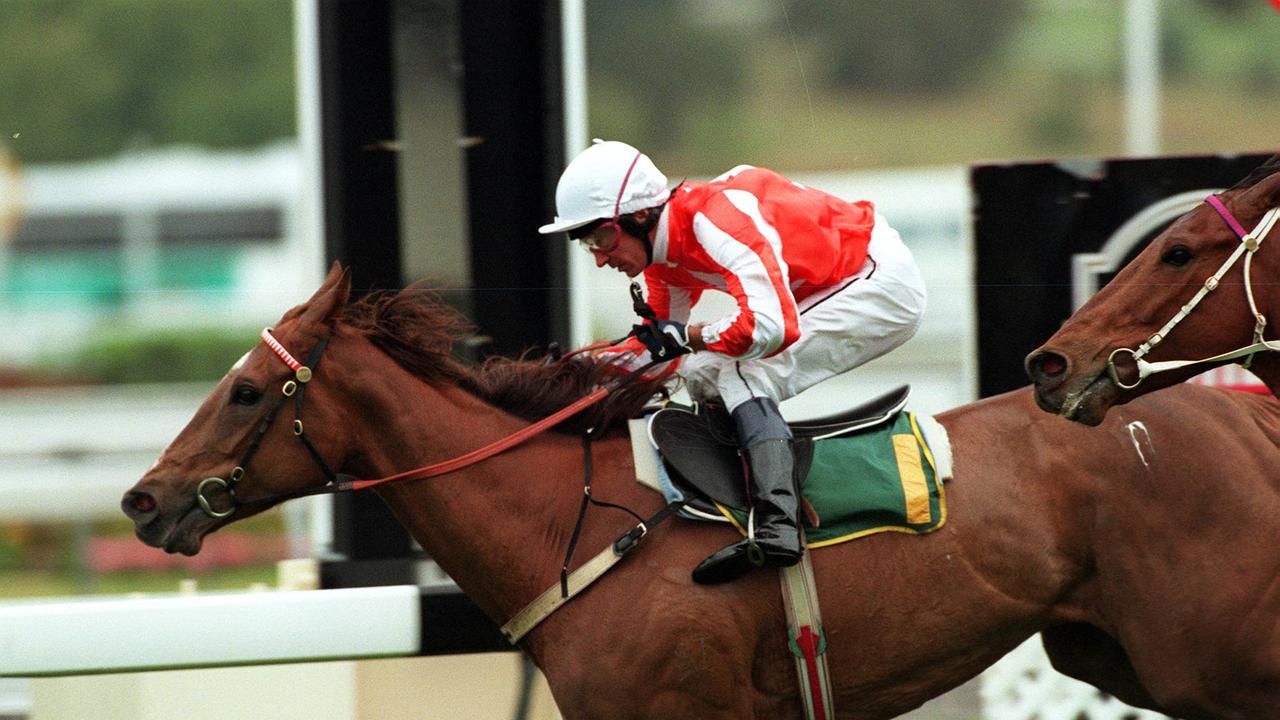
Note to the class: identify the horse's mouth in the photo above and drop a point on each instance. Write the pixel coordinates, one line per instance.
(1089, 405)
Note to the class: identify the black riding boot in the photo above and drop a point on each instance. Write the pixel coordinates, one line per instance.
(767, 442)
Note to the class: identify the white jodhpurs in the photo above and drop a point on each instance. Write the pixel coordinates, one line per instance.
(862, 318)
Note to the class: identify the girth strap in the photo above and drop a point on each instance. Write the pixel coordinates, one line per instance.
(807, 641)
(557, 595)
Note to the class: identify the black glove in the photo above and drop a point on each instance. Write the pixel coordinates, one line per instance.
(665, 339)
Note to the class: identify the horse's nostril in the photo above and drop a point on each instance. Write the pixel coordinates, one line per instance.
(138, 503)
(1052, 365)
(1047, 365)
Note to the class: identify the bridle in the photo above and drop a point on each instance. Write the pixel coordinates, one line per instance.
(1249, 244)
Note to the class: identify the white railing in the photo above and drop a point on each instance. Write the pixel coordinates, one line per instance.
(90, 635)
(68, 454)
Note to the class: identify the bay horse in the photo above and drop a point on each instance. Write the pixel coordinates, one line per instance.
(1096, 359)
(1139, 550)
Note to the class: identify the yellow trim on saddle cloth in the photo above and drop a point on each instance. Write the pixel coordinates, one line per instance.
(906, 451)
(940, 474)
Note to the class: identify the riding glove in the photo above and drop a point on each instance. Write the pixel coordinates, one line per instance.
(665, 339)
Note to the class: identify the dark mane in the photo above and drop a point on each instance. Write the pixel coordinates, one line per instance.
(418, 330)
(1266, 169)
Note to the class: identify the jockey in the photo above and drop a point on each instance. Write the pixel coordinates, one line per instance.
(821, 286)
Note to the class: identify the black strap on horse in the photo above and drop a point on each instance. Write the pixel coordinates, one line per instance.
(298, 391)
(627, 540)
(313, 360)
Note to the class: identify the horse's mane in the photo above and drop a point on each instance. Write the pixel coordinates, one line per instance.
(1266, 169)
(419, 331)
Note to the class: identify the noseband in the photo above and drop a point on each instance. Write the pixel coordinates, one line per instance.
(295, 388)
(1249, 244)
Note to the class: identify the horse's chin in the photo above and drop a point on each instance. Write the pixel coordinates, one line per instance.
(1089, 404)
(185, 535)
(188, 545)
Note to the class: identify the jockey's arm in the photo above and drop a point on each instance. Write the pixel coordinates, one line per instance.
(754, 274)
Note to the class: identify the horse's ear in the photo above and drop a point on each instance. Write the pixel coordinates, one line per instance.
(1265, 194)
(331, 297)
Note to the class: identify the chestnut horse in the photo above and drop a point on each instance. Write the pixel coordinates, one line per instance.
(1097, 359)
(1141, 550)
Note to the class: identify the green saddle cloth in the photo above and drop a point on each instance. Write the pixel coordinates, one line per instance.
(880, 480)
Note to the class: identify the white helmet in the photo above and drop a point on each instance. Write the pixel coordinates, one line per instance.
(607, 178)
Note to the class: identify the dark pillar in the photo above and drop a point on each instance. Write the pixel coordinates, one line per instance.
(513, 109)
(362, 222)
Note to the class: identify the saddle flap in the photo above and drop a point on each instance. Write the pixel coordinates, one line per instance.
(698, 452)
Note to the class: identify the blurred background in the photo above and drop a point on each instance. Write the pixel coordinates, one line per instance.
(158, 204)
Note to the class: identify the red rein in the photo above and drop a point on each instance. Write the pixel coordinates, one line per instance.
(475, 456)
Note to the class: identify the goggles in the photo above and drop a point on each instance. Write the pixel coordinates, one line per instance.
(603, 236)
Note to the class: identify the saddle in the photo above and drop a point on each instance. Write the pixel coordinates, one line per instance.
(699, 447)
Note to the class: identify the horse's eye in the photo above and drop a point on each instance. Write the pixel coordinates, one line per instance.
(245, 395)
(1177, 256)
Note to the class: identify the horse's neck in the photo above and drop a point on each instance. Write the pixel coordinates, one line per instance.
(499, 527)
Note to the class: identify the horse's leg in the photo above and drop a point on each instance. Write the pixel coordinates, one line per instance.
(1086, 653)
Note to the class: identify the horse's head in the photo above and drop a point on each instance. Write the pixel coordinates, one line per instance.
(243, 444)
(1090, 364)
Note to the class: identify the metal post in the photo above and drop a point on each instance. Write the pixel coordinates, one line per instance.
(1142, 77)
(574, 42)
